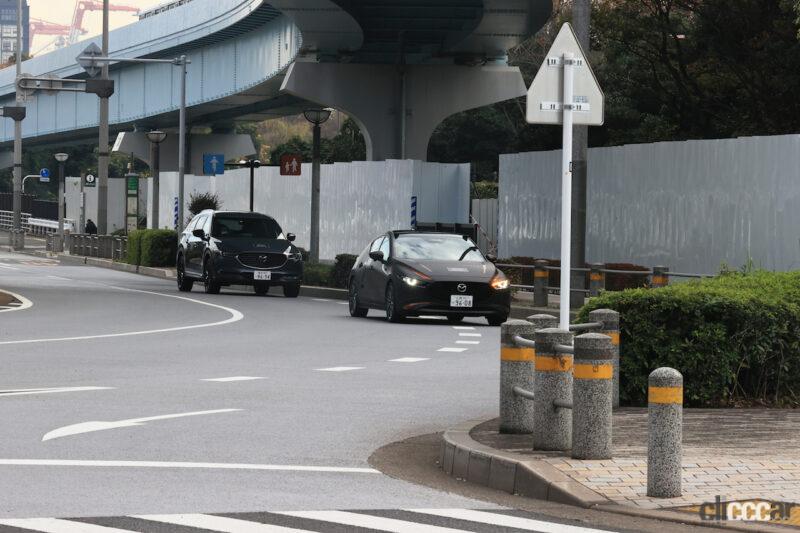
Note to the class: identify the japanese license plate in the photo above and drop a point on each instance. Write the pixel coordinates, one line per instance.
(460, 300)
(262, 276)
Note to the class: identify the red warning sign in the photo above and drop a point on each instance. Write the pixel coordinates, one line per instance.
(290, 164)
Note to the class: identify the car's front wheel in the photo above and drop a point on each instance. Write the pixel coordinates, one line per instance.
(355, 306)
(292, 290)
(210, 283)
(185, 284)
(393, 312)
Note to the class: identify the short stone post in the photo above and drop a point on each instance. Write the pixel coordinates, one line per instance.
(552, 426)
(665, 433)
(597, 279)
(516, 370)
(543, 321)
(540, 280)
(591, 397)
(660, 277)
(610, 320)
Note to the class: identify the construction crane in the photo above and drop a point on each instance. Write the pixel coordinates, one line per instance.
(43, 27)
(82, 7)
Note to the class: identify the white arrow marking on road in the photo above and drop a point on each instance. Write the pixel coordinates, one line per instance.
(24, 392)
(88, 427)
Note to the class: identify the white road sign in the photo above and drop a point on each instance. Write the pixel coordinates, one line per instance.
(545, 96)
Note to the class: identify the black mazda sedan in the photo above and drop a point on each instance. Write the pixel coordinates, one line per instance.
(230, 248)
(410, 273)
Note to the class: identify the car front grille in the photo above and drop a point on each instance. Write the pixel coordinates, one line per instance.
(262, 260)
(442, 290)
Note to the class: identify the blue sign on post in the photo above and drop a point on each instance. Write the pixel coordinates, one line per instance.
(213, 164)
(44, 175)
(413, 212)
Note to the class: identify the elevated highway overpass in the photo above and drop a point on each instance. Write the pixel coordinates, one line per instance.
(398, 68)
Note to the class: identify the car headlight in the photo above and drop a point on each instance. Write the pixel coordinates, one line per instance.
(412, 282)
(295, 256)
(499, 282)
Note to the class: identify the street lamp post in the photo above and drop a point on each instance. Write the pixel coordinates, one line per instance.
(155, 137)
(59, 243)
(252, 164)
(17, 233)
(316, 117)
(103, 155)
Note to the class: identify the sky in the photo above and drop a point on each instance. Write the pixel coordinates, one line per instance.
(61, 11)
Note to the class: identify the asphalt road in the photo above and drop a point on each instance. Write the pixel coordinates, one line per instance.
(95, 363)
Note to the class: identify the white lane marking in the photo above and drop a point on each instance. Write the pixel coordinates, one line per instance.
(463, 327)
(343, 303)
(178, 464)
(3, 265)
(89, 427)
(339, 369)
(233, 378)
(217, 523)
(470, 335)
(51, 390)
(235, 317)
(409, 360)
(320, 300)
(468, 342)
(24, 303)
(56, 525)
(59, 278)
(497, 519)
(371, 522)
(452, 350)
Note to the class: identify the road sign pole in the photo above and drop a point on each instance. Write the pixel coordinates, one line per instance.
(566, 190)
(17, 234)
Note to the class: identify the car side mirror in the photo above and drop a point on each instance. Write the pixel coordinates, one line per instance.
(291, 237)
(200, 234)
(492, 258)
(377, 255)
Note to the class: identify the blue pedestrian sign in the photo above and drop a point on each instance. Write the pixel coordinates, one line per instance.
(44, 175)
(213, 164)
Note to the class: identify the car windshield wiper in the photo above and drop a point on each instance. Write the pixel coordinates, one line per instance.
(468, 250)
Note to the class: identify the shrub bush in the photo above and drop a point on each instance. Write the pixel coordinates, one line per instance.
(341, 269)
(158, 248)
(134, 247)
(317, 275)
(735, 338)
(201, 201)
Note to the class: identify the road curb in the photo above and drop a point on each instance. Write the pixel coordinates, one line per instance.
(464, 458)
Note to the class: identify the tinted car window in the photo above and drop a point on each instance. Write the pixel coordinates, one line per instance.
(233, 227)
(436, 248)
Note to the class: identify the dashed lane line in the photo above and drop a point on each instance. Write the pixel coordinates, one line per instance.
(409, 360)
(233, 378)
(468, 342)
(470, 335)
(339, 369)
(51, 390)
(451, 350)
(463, 327)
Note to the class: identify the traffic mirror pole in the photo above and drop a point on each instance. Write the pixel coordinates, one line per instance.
(566, 191)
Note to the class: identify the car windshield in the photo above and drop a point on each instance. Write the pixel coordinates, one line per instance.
(436, 248)
(240, 227)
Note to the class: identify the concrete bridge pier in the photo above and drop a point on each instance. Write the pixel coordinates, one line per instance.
(398, 107)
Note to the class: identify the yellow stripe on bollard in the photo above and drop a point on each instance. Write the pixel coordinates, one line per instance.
(541, 274)
(550, 363)
(595, 277)
(660, 280)
(587, 371)
(669, 395)
(614, 336)
(508, 353)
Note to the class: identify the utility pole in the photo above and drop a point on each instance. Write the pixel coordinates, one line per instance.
(102, 159)
(581, 11)
(17, 233)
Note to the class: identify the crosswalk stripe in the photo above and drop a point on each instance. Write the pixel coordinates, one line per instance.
(56, 525)
(219, 523)
(504, 520)
(371, 522)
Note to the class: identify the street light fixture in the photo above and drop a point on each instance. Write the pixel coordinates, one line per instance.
(58, 245)
(316, 116)
(252, 164)
(156, 137)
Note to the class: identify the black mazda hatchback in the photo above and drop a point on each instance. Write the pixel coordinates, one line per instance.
(409, 273)
(230, 248)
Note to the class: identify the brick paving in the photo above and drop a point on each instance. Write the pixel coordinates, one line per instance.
(733, 453)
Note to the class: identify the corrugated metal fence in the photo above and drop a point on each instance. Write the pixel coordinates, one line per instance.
(485, 214)
(688, 205)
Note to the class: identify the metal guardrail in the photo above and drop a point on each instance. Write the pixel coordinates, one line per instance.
(7, 220)
(102, 246)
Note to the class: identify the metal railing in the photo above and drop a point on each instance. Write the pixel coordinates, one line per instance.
(102, 246)
(7, 220)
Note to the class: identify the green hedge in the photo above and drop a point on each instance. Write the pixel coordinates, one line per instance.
(134, 247)
(317, 275)
(341, 269)
(152, 247)
(735, 338)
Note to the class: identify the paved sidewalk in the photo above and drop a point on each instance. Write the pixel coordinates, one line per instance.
(733, 453)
